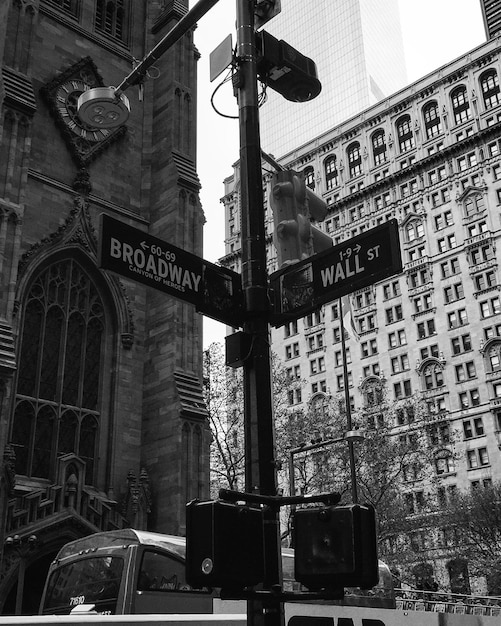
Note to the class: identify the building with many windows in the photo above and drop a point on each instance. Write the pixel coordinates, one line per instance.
(491, 13)
(430, 157)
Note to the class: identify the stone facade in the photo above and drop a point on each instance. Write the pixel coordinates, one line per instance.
(428, 156)
(102, 420)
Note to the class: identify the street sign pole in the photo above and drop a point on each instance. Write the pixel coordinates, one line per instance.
(260, 469)
(347, 406)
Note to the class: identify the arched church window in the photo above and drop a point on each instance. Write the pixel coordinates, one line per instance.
(60, 368)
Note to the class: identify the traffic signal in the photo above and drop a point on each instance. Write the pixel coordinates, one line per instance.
(224, 545)
(336, 547)
(284, 69)
(294, 207)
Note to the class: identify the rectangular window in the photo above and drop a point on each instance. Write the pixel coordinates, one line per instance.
(473, 428)
(399, 364)
(368, 348)
(453, 293)
(426, 328)
(394, 314)
(371, 369)
(402, 389)
(418, 278)
(486, 280)
(490, 307)
(397, 338)
(363, 299)
(477, 458)
(391, 290)
(450, 267)
(446, 243)
(457, 318)
(481, 254)
(461, 344)
(465, 371)
(422, 303)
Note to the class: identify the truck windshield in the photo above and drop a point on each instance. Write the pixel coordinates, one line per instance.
(93, 580)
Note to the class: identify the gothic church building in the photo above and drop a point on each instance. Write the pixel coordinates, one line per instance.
(102, 420)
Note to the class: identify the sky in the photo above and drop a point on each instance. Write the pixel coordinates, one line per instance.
(434, 32)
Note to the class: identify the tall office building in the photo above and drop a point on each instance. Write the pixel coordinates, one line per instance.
(357, 47)
(491, 12)
(428, 156)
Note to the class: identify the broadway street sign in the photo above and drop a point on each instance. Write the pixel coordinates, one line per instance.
(215, 291)
(363, 260)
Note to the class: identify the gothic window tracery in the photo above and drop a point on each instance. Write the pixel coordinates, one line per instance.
(57, 398)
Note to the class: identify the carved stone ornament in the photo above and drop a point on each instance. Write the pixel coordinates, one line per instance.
(61, 95)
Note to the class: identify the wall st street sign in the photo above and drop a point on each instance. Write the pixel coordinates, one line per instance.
(355, 263)
(215, 291)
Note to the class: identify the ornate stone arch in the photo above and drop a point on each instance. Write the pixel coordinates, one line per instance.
(474, 201)
(430, 372)
(372, 389)
(77, 237)
(413, 227)
(491, 351)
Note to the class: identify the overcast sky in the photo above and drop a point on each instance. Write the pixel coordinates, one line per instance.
(434, 33)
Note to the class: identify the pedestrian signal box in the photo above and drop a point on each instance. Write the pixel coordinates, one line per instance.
(336, 547)
(224, 545)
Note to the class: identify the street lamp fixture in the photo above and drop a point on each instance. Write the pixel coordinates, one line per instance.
(103, 107)
(355, 436)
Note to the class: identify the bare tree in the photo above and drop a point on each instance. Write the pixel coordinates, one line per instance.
(223, 388)
(475, 518)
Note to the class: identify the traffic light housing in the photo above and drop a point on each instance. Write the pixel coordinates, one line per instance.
(224, 545)
(294, 207)
(336, 547)
(284, 69)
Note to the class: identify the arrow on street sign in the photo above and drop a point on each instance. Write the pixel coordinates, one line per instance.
(215, 291)
(363, 260)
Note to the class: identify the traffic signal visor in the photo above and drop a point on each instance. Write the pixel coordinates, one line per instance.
(294, 207)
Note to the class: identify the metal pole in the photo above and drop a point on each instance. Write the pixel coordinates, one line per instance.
(183, 26)
(260, 469)
(292, 479)
(351, 446)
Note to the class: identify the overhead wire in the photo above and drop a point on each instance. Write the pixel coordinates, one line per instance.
(261, 99)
